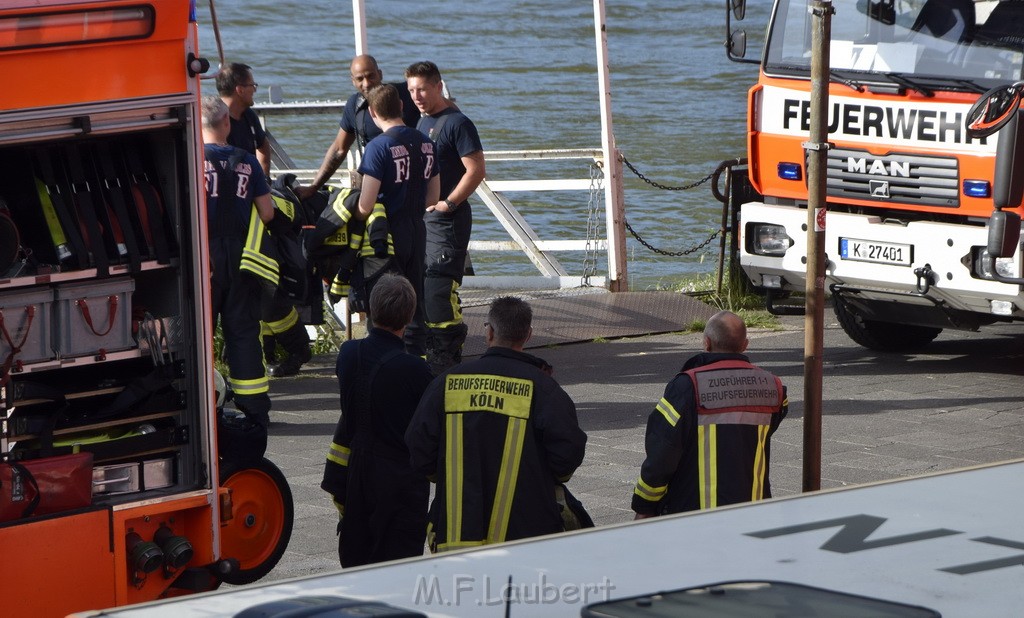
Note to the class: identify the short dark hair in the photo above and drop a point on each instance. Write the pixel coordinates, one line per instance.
(425, 69)
(510, 318)
(384, 102)
(231, 76)
(392, 302)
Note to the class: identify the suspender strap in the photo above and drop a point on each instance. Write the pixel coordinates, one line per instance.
(151, 201)
(115, 192)
(69, 234)
(362, 110)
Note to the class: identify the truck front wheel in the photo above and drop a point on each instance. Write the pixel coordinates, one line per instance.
(258, 534)
(883, 336)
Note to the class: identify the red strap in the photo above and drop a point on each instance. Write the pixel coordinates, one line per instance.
(5, 370)
(111, 314)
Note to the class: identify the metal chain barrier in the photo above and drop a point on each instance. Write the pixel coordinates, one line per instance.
(594, 206)
(658, 185)
(693, 249)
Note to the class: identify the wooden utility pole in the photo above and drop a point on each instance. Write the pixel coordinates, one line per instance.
(817, 167)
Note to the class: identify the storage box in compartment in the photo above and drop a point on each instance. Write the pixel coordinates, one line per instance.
(132, 477)
(28, 324)
(94, 317)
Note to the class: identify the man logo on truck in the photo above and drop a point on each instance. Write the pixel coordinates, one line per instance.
(879, 188)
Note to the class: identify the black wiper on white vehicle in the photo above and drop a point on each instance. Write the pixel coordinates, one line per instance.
(916, 87)
(836, 77)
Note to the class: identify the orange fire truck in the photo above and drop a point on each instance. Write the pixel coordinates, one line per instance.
(910, 190)
(111, 489)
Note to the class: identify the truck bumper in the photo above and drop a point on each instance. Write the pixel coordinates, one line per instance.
(935, 272)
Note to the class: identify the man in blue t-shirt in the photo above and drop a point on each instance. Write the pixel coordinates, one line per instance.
(356, 126)
(235, 184)
(238, 90)
(449, 220)
(399, 170)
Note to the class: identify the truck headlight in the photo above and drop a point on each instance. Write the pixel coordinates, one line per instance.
(767, 239)
(1007, 267)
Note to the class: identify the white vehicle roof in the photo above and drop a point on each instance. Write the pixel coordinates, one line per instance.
(950, 542)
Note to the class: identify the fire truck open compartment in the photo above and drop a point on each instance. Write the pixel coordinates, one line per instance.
(103, 348)
(112, 341)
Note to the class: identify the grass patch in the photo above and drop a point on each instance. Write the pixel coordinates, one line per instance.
(733, 297)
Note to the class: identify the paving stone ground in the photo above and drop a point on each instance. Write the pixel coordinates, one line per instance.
(957, 403)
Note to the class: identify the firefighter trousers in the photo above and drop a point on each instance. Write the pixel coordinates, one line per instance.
(385, 510)
(445, 264)
(236, 301)
(281, 322)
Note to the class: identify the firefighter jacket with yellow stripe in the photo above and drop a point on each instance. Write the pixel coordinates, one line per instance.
(496, 434)
(259, 255)
(709, 438)
(367, 470)
(343, 238)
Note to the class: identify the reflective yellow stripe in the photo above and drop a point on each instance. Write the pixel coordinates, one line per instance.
(508, 475)
(254, 238)
(649, 492)
(284, 206)
(486, 393)
(757, 488)
(288, 321)
(339, 238)
(261, 270)
(453, 479)
(459, 545)
(339, 454)
(250, 387)
(340, 288)
(456, 307)
(265, 329)
(668, 411)
(50, 214)
(338, 206)
(707, 465)
(252, 259)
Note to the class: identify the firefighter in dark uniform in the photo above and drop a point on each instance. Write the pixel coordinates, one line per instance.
(709, 438)
(238, 205)
(381, 501)
(449, 220)
(496, 434)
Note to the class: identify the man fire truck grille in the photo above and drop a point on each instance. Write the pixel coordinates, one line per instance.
(896, 178)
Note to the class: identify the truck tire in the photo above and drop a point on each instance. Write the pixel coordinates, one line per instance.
(884, 336)
(258, 534)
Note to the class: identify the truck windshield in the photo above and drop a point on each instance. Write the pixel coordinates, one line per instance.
(956, 41)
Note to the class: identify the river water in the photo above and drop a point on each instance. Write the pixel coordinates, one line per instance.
(525, 71)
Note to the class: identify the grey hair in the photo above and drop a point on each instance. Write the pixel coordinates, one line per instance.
(214, 111)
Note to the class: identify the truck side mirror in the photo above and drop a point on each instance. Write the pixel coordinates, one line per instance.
(739, 9)
(992, 110)
(737, 44)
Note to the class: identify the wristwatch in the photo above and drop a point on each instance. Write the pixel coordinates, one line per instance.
(451, 205)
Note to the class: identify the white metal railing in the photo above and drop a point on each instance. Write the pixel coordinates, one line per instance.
(522, 236)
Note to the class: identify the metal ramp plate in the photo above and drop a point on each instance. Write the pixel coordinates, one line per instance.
(588, 313)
